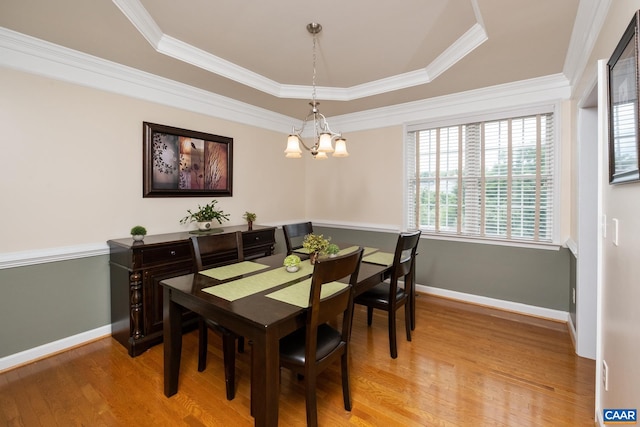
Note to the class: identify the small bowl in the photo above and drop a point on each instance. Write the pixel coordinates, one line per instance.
(293, 268)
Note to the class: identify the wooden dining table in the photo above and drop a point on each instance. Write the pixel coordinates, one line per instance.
(248, 304)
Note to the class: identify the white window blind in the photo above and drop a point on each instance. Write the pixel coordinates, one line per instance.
(491, 179)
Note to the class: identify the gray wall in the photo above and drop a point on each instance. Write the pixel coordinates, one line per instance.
(48, 302)
(536, 277)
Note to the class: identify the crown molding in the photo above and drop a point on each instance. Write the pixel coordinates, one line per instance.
(135, 12)
(542, 90)
(469, 41)
(589, 21)
(31, 55)
(141, 19)
(35, 56)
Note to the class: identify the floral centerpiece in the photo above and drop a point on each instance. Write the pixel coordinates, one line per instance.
(333, 250)
(316, 244)
(205, 215)
(292, 263)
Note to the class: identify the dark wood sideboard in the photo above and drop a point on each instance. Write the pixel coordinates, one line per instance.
(137, 268)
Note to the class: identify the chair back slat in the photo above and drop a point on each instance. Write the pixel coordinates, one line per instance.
(216, 249)
(294, 235)
(405, 254)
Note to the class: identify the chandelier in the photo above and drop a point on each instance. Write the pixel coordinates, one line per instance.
(323, 136)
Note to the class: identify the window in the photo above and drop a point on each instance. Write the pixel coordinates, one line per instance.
(490, 179)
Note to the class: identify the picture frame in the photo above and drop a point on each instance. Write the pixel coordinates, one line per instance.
(623, 90)
(184, 163)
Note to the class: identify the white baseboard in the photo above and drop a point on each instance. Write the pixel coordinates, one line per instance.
(51, 348)
(572, 333)
(516, 307)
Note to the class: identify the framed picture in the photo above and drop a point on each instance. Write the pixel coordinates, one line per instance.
(184, 163)
(623, 107)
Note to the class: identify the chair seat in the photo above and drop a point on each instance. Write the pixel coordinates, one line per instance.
(218, 328)
(378, 295)
(292, 346)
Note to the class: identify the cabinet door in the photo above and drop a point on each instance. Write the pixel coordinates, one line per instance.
(152, 293)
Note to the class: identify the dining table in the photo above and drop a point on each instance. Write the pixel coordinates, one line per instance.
(259, 300)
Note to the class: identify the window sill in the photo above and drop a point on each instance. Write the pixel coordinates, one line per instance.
(489, 241)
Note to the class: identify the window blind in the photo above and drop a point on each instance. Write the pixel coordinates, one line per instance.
(490, 179)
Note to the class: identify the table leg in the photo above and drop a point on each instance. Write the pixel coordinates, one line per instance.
(172, 336)
(265, 380)
(412, 296)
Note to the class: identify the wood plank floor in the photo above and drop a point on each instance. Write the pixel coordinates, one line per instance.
(466, 366)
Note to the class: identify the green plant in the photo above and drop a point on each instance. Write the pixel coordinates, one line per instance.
(291, 261)
(138, 230)
(333, 249)
(249, 216)
(315, 243)
(207, 212)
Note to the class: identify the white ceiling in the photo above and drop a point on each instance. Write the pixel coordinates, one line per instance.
(368, 56)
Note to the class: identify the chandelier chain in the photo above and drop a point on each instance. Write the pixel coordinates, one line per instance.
(313, 94)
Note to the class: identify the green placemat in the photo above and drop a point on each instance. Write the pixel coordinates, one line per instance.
(302, 251)
(233, 270)
(381, 258)
(348, 250)
(298, 293)
(368, 250)
(250, 285)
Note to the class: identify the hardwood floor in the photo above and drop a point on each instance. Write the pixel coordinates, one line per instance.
(466, 366)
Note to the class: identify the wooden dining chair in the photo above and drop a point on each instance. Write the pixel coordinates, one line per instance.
(389, 296)
(294, 235)
(210, 251)
(309, 350)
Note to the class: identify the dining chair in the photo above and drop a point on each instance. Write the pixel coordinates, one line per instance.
(227, 248)
(389, 296)
(309, 350)
(294, 235)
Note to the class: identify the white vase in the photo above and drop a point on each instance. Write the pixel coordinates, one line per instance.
(204, 225)
(137, 237)
(292, 268)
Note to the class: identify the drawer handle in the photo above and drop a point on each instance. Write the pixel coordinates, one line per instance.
(173, 253)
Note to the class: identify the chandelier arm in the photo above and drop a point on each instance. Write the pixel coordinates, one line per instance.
(325, 126)
(299, 131)
(302, 142)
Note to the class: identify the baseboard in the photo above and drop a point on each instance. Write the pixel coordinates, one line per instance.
(49, 349)
(573, 334)
(546, 313)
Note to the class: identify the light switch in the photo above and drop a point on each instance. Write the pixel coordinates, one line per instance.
(614, 232)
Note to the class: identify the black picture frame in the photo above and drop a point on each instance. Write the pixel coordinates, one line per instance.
(623, 110)
(185, 163)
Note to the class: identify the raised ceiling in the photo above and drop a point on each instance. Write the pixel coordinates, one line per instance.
(369, 55)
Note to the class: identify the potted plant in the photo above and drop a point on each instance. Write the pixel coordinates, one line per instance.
(316, 244)
(333, 250)
(205, 215)
(138, 232)
(249, 217)
(292, 263)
